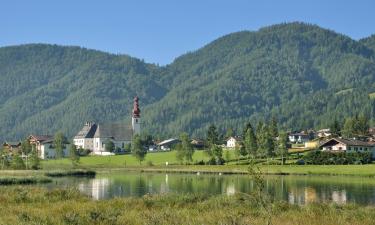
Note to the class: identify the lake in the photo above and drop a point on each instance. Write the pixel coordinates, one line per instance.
(293, 189)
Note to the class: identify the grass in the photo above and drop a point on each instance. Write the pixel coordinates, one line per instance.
(372, 95)
(31, 205)
(120, 161)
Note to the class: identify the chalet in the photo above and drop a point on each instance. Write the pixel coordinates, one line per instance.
(232, 142)
(323, 133)
(349, 145)
(166, 145)
(197, 143)
(45, 147)
(12, 146)
(94, 136)
(298, 137)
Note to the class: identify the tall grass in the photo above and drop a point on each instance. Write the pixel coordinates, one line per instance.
(32, 205)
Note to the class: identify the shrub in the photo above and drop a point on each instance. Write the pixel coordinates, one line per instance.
(337, 158)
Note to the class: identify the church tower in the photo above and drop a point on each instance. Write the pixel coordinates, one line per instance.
(136, 117)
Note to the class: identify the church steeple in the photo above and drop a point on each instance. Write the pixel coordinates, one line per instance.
(136, 116)
(136, 110)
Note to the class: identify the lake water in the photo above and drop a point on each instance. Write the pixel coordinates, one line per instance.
(294, 189)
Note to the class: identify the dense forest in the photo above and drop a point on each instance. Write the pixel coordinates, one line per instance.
(302, 75)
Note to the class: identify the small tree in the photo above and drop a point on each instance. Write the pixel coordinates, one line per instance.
(227, 156)
(137, 149)
(34, 160)
(17, 162)
(282, 146)
(109, 146)
(59, 142)
(73, 155)
(26, 147)
(188, 150)
(237, 153)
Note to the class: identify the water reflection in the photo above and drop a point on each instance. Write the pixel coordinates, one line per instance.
(293, 189)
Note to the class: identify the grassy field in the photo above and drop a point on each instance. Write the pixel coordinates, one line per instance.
(128, 162)
(119, 161)
(31, 205)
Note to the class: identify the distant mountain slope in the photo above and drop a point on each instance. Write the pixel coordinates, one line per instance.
(302, 74)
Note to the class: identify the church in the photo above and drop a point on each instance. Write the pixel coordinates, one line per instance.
(94, 136)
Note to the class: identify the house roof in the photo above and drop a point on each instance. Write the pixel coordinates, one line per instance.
(87, 131)
(12, 143)
(41, 138)
(298, 134)
(116, 131)
(236, 138)
(168, 141)
(350, 142)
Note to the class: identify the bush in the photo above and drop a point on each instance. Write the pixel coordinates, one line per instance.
(337, 158)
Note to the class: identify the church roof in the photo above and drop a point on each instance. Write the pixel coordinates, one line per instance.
(87, 131)
(116, 131)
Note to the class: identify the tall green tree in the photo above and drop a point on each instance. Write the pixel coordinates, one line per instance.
(137, 149)
(212, 136)
(250, 142)
(265, 142)
(273, 127)
(59, 144)
(282, 146)
(335, 127)
(348, 129)
(185, 149)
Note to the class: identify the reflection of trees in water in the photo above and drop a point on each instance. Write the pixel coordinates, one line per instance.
(295, 189)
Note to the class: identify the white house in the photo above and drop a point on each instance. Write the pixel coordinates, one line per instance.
(232, 142)
(298, 137)
(45, 147)
(94, 136)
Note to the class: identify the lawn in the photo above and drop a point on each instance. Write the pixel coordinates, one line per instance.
(118, 161)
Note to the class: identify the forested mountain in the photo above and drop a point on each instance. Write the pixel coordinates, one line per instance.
(303, 75)
(369, 42)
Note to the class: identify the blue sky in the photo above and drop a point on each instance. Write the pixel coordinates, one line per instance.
(159, 31)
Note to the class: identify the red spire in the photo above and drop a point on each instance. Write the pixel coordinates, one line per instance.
(136, 110)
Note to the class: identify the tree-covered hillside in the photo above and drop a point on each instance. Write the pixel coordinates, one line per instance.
(301, 74)
(46, 88)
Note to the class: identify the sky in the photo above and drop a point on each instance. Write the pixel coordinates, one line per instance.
(158, 31)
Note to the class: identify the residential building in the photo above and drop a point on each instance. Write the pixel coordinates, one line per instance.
(12, 146)
(349, 145)
(298, 137)
(45, 146)
(232, 142)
